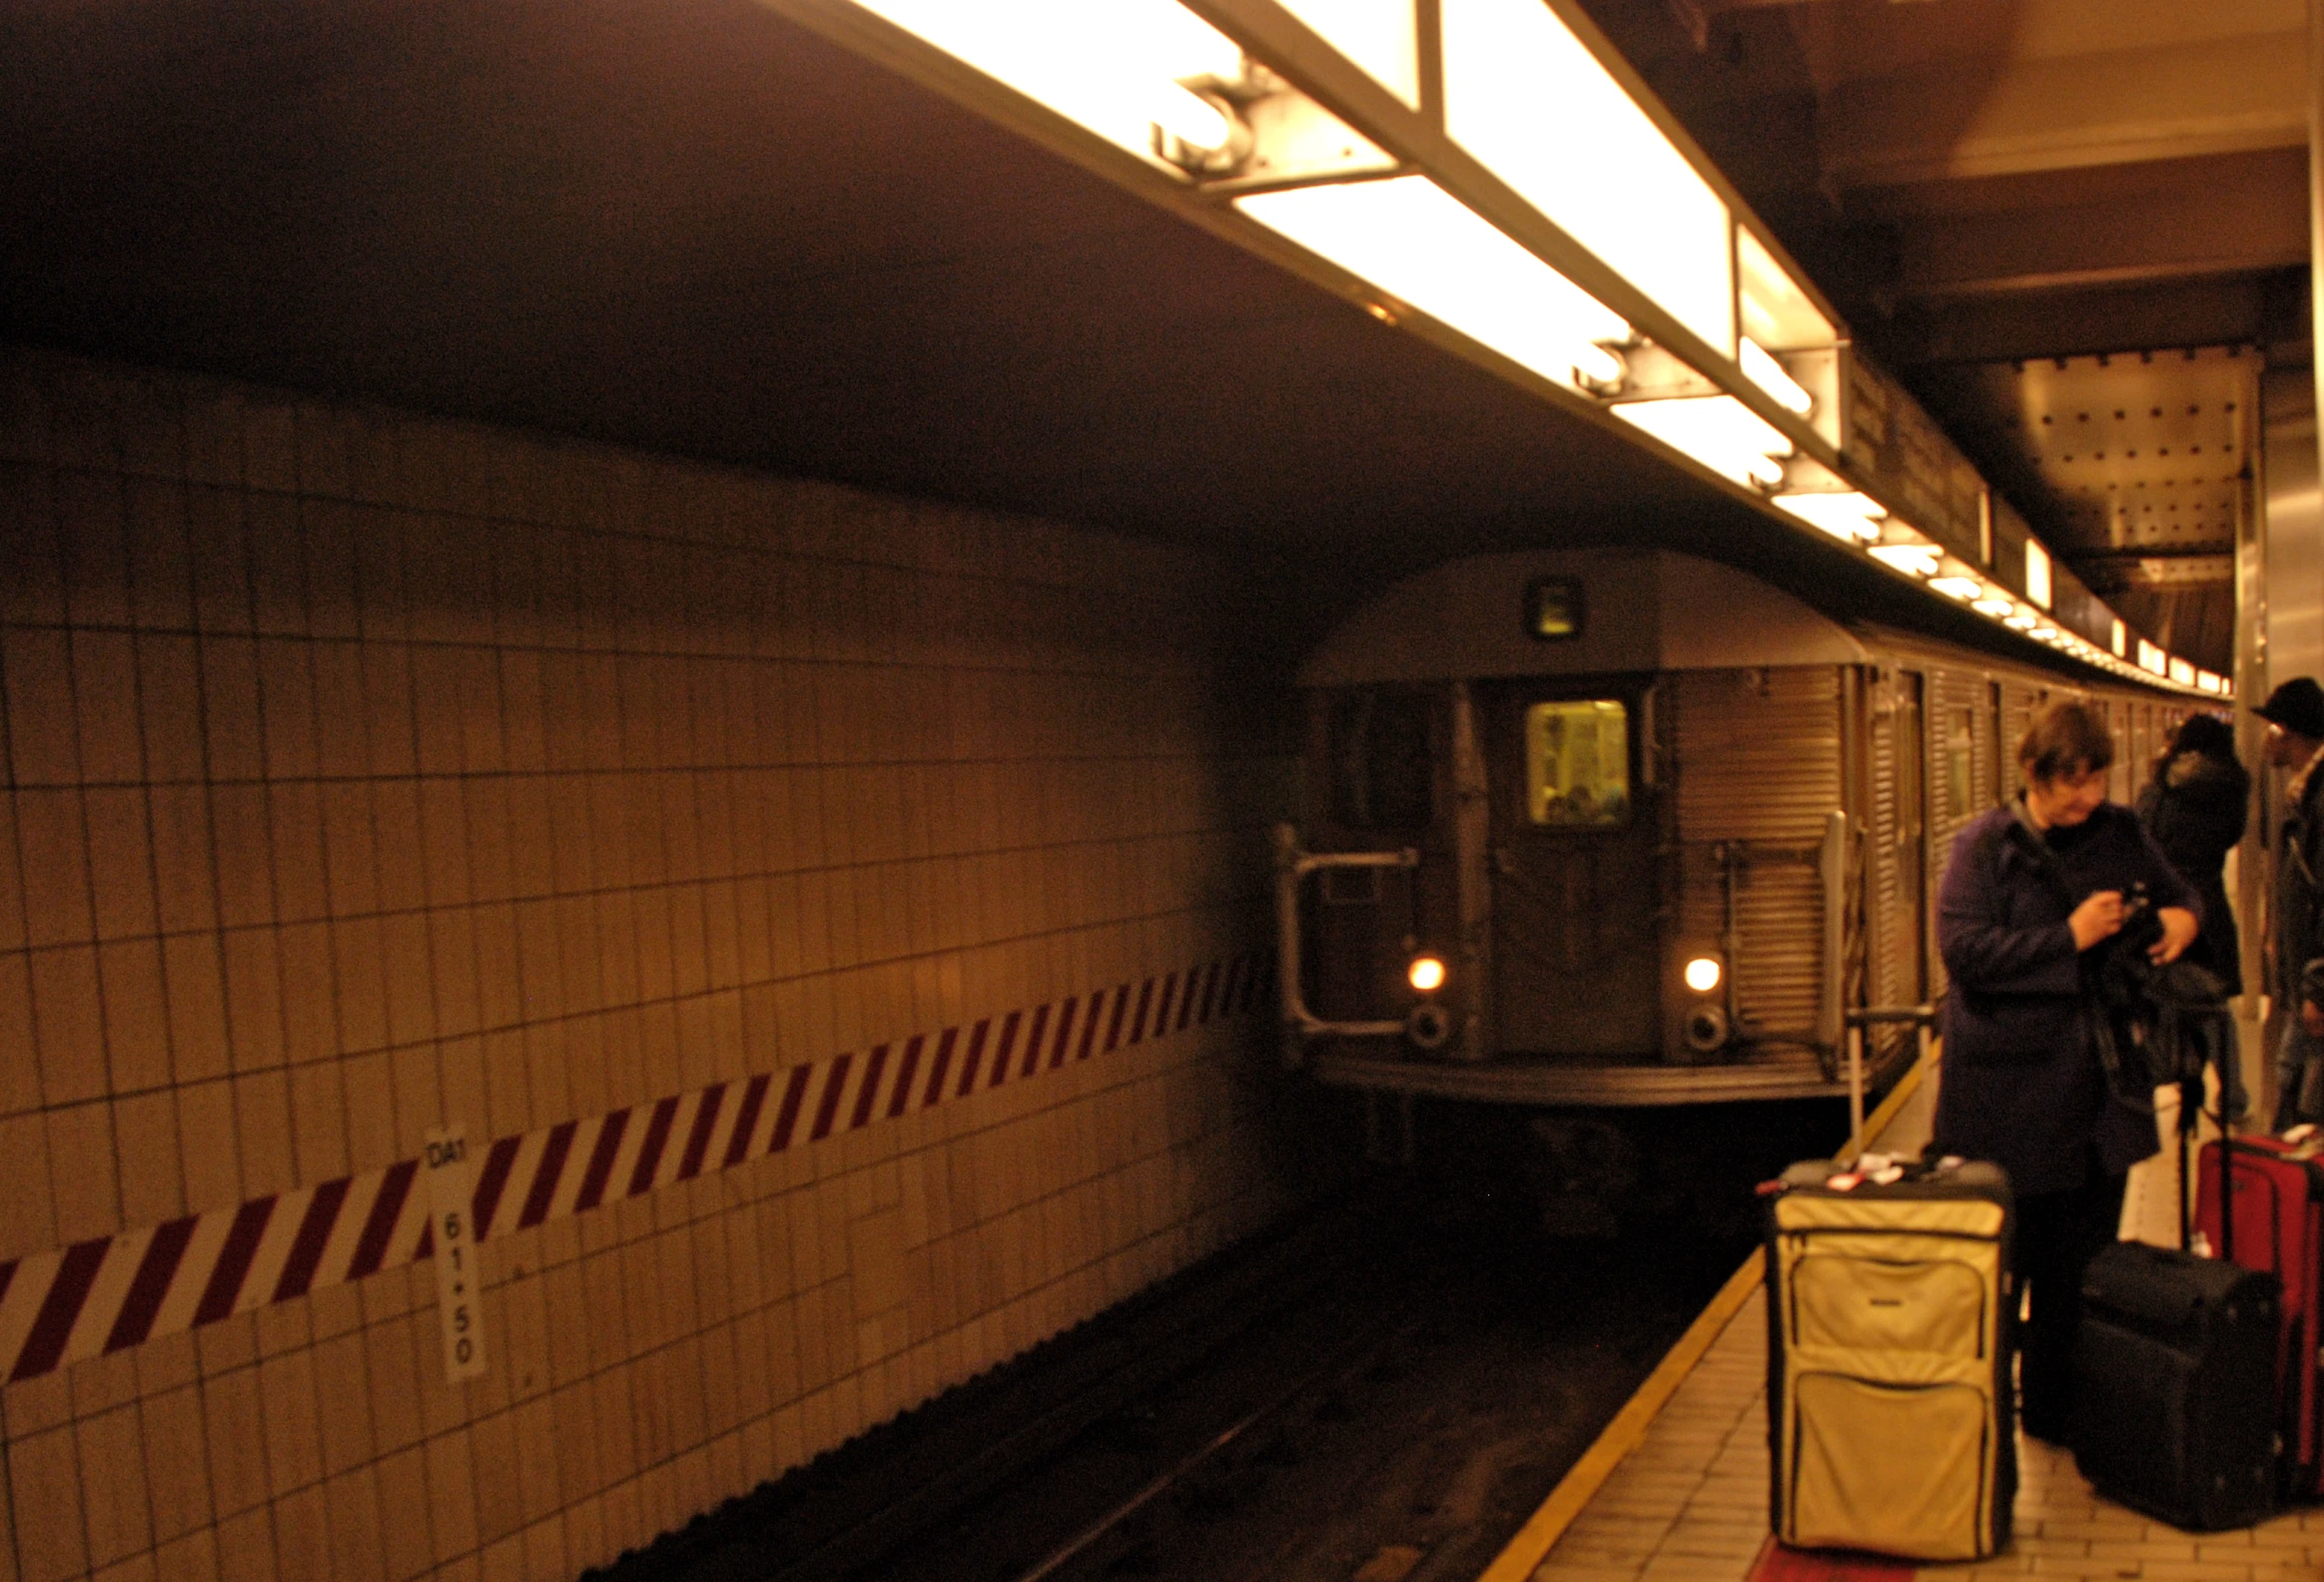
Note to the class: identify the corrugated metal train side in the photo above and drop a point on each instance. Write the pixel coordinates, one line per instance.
(1788, 823)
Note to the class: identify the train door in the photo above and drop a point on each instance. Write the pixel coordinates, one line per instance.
(1372, 754)
(1898, 856)
(1956, 794)
(1575, 829)
(1997, 759)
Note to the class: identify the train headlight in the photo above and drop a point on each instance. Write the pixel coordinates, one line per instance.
(1426, 974)
(1702, 974)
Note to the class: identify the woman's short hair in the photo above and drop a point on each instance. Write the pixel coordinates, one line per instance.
(2203, 733)
(2065, 739)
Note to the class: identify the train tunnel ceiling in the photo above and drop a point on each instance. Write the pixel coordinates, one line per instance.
(2144, 461)
(1983, 183)
(700, 228)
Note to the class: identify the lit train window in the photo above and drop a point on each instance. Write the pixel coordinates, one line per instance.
(1382, 776)
(1553, 608)
(1577, 764)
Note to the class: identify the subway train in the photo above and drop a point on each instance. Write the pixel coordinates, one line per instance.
(1598, 832)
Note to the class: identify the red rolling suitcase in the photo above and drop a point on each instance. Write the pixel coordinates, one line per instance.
(2278, 1190)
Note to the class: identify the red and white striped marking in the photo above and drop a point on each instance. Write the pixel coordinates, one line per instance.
(111, 1292)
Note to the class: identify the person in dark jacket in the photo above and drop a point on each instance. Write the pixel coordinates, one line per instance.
(2294, 713)
(2195, 807)
(2034, 889)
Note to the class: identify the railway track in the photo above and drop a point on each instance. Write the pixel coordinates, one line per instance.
(1384, 1389)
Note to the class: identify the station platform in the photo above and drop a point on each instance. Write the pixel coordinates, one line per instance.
(1676, 1487)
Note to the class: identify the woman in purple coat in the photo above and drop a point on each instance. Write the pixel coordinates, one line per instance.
(2035, 890)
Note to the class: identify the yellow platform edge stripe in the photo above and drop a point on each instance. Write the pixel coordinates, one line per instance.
(1586, 1476)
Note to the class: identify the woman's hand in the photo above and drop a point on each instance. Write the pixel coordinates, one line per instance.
(2178, 931)
(2097, 918)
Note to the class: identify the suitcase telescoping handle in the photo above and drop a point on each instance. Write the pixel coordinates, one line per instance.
(2190, 1118)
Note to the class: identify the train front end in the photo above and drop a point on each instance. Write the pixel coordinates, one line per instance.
(1578, 836)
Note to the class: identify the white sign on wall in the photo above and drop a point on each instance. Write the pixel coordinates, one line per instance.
(452, 1189)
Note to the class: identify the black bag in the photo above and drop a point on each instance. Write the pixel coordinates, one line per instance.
(2152, 1023)
(2174, 1386)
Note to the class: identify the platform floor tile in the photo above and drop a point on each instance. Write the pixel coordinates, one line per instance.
(1690, 1505)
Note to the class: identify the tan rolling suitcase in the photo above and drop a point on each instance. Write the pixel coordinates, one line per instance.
(1890, 1422)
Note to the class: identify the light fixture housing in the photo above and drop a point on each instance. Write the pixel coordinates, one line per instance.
(1524, 94)
(1117, 69)
(1850, 516)
(1717, 430)
(1415, 241)
(1485, 103)
(2037, 573)
(1760, 368)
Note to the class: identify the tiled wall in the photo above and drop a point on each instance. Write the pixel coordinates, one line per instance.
(368, 772)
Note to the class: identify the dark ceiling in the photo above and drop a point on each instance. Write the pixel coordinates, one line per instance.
(698, 229)
(2002, 195)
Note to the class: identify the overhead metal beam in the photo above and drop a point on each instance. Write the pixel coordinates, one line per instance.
(2169, 219)
(2117, 570)
(2085, 320)
(1971, 116)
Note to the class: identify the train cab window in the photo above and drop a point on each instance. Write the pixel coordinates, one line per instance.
(1577, 764)
(1383, 774)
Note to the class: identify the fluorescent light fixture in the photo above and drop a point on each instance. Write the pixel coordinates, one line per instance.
(1527, 98)
(1114, 69)
(1775, 311)
(1994, 604)
(1765, 371)
(1382, 36)
(1416, 241)
(2122, 634)
(1719, 431)
(1848, 515)
(2151, 658)
(1958, 588)
(2209, 682)
(2037, 573)
(2181, 672)
(1913, 559)
(2021, 619)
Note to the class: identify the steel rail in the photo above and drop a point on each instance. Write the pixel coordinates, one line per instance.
(1343, 1361)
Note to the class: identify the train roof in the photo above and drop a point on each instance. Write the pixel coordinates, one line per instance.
(1638, 611)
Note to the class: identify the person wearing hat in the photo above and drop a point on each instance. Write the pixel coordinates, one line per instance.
(2294, 713)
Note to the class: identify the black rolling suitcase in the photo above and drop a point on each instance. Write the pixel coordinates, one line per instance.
(1890, 1424)
(2174, 1386)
